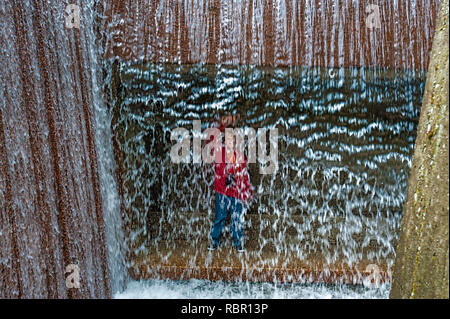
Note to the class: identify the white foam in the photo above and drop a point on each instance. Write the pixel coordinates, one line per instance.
(204, 289)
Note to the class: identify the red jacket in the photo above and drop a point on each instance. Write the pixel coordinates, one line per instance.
(241, 187)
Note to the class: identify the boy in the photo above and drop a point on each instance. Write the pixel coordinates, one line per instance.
(233, 189)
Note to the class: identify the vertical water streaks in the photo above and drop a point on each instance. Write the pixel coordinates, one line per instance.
(101, 79)
(330, 33)
(53, 192)
(10, 270)
(52, 201)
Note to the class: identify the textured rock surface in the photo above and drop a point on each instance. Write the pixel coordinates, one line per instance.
(421, 269)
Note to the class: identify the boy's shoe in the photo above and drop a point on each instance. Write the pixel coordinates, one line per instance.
(212, 246)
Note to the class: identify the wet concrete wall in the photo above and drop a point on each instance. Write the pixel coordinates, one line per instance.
(50, 203)
(394, 34)
(421, 267)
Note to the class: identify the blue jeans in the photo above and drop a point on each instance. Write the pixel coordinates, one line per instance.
(223, 204)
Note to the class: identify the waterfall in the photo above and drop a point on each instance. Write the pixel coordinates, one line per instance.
(89, 198)
(345, 150)
(58, 202)
(115, 242)
(345, 91)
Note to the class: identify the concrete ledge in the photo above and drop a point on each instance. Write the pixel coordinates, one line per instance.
(186, 261)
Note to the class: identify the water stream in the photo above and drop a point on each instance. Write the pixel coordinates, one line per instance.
(345, 98)
(85, 122)
(345, 145)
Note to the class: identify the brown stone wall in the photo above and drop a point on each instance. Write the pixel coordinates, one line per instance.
(50, 203)
(421, 266)
(272, 32)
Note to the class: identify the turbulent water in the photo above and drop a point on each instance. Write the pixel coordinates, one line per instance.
(200, 289)
(345, 142)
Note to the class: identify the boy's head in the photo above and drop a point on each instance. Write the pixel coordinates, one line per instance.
(230, 120)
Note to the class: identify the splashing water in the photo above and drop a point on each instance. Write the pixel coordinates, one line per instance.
(201, 289)
(345, 149)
